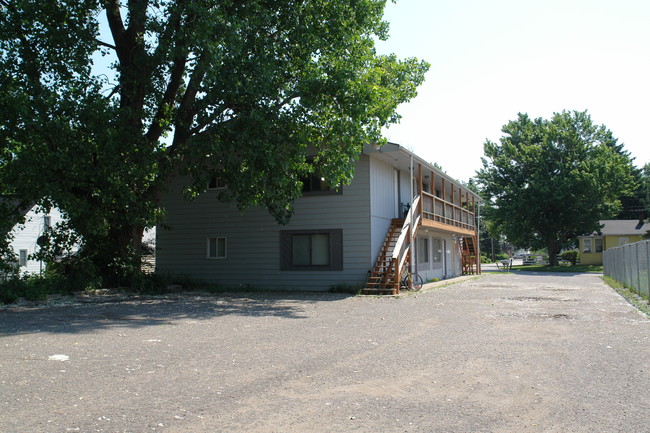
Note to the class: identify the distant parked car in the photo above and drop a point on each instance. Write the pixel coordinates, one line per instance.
(521, 254)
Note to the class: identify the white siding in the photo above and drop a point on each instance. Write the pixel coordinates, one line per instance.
(451, 265)
(25, 237)
(383, 202)
(253, 247)
(405, 189)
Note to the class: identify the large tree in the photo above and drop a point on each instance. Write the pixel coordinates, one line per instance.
(548, 181)
(258, 93)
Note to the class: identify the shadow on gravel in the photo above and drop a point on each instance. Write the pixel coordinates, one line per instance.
(139, 312)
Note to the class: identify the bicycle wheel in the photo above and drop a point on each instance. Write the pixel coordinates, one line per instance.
(404, 285)
(417, 281)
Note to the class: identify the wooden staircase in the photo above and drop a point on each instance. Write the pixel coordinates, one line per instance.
(469, 253)
(383, 279)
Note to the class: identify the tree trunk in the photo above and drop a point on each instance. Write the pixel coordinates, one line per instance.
(553, 247)
(118, 257)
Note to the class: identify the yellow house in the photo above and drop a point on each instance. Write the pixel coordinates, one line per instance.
(612, 234)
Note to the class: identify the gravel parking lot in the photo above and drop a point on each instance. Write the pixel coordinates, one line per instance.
(498, 353)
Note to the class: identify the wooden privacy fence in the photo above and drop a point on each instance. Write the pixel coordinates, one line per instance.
(629, 265)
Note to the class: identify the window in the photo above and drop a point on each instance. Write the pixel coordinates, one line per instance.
(216, 183)
(311, 249)
(423, 250)
(22, 257)
(317, 250)
(47, 222)
(437, 250)
(598, 243)
(314, 184)
(216, 248)
(586, 245)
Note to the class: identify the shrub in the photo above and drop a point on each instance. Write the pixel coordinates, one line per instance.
(570, 256)
(73, 274)
(150, 284)
(11, 289)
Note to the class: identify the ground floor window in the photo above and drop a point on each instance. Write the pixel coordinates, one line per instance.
(216, 248)
(423, 250)
(598, 245)
(437, 250)
(22, 257)
(592, 245)
(302, 250)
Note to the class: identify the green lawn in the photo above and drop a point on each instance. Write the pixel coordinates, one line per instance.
(560, 268)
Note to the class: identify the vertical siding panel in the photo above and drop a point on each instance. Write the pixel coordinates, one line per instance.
(382, 202)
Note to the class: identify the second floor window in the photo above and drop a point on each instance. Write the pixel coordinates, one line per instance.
(314, 184)
(216, 183)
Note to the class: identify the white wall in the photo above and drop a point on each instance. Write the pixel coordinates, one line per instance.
(384, 204)
(450, 265)
(25, 237)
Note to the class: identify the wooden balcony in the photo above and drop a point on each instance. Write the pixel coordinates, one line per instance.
(443, 215)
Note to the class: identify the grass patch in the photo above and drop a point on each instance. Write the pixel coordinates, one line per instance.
(637, 301)
(560, 268)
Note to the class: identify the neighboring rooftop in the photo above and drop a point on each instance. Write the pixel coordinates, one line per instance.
(623, 227)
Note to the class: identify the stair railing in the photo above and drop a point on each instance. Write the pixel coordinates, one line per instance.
(403, 245)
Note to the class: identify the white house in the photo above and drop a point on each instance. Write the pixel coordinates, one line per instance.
(358, 235)
(25, 242)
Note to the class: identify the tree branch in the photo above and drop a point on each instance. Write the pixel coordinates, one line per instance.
(187, 108)
(116, 25)
(176, 77)
(175, 81)
(104, 44)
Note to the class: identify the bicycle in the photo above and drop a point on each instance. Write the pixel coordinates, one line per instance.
(411, 281)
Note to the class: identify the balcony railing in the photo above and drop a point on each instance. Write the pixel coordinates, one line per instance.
(437, 209)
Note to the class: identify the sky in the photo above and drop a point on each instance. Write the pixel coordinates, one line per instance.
(493, 59)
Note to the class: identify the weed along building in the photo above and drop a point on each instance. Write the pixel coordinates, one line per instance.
(398, 211)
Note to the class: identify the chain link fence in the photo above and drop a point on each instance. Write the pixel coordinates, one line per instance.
(630, 265)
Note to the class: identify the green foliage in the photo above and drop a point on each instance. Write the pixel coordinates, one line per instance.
(595, 269)
(570, 256)
(244, 91)
(33, 288)
(638, 301)
(345, 288)
(548, 181)
(644, 188)
(150, 284)
(73, 274)
(11, 289)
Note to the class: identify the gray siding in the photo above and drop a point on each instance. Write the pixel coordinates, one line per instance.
(253, 238)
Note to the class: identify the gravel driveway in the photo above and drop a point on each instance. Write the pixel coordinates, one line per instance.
(500, 353)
